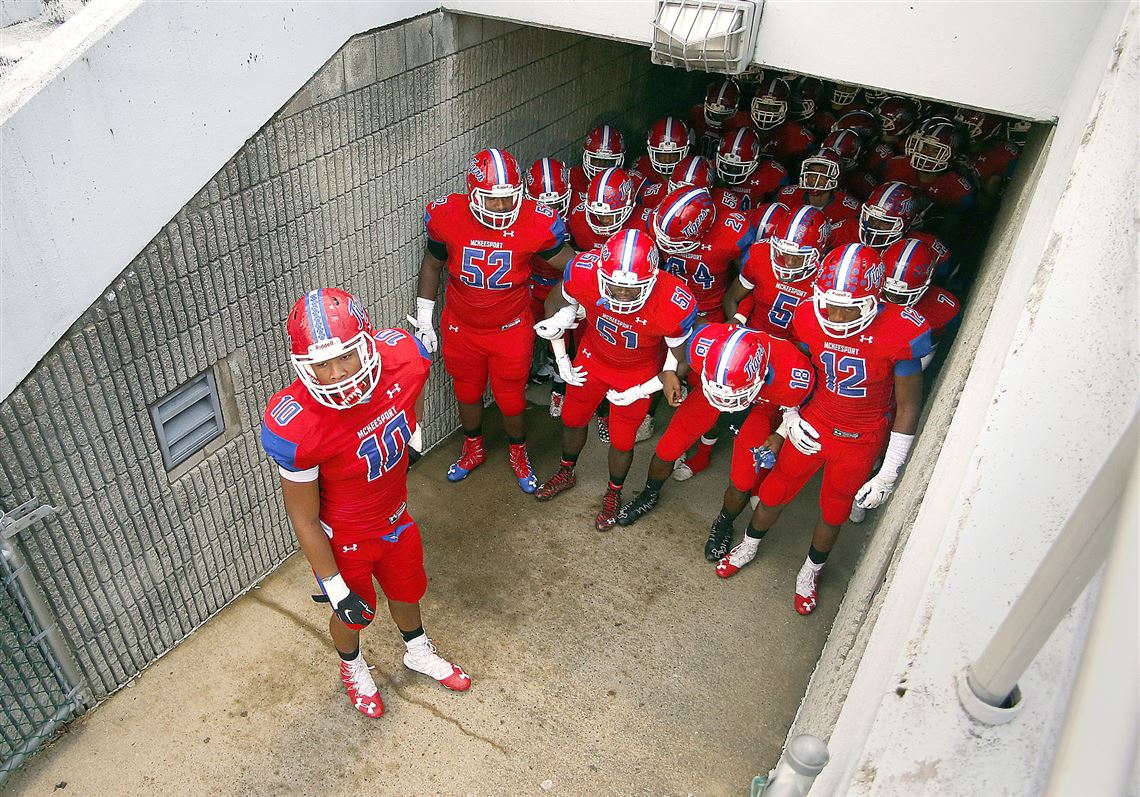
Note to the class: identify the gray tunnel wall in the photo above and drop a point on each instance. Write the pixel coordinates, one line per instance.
(331, 191)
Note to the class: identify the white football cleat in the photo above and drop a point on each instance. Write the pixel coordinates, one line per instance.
(361, 688)
(645, 430)
(807, 581)
(858, 513)
(422, 657)
(681, 470)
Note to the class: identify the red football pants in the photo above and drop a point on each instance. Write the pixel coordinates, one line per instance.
(581, 401)
(472, 356)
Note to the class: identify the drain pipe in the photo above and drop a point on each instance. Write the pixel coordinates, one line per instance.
(988, 688)
(803, 759)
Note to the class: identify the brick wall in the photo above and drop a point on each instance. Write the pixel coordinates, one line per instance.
(330, 192)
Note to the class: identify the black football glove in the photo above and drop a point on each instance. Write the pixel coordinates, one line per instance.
(349, 607)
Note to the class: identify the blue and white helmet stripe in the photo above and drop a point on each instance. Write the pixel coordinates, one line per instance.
(500, 166)
(904, 258)
(726, 353)
(603, 183)
(843, 271)
(797, 220)
(315, 312)
(547, 179)
(679, 205)
(628, 245)
(606, 138)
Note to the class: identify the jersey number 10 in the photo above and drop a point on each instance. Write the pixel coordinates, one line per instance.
(385, 448)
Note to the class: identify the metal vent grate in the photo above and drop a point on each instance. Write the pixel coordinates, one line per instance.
(187, 419)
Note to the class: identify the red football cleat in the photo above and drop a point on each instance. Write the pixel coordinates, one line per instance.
(611, 503)
(471, 457)
(520, 464)
(806, 582)
(560, 482)
(361, 688)
(738, 557)
(421, 657)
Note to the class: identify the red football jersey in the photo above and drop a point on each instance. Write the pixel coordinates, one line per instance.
(948, 190)
(358, 455)
(789, 143)
(847, 232)
(857, 374)
(651, 194)
(789, 380)
(583, 237)
(579, 184)
(774, 300)
(706, 136)
(644, 169)
(705, 270)
(940, 309)
(996, 160)
(770, 176)
(820, 122)
(841, 206)
(626, 339)
(488, 269)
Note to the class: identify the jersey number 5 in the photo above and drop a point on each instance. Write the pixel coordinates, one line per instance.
(383, 449)
(483, 269)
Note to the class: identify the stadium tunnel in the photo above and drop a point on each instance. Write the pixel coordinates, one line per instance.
(165, 206)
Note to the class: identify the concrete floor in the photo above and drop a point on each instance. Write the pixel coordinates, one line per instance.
(603, 664)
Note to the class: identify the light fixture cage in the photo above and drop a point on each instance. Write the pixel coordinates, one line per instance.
(709, 35)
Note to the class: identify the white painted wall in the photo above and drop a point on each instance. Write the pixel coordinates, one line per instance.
(1053, 385)
(126, 111)
(1012, 56)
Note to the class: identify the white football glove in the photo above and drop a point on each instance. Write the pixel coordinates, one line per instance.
(567, 372)
(553, 327)
(880, 486)
(623, 398)
(424, 330)
(800, 433)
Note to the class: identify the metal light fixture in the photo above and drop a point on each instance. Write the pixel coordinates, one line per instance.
(710, 35)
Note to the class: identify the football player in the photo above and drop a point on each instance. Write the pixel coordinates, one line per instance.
(886, 216)
(991, 157)
(487, 240)
(747, 177)
(820, 174)
(777, 272)
(607, 208)
(928, 166)
(739, 370)
(547, 183)
(866, 355)
(783, 138)
(703, 248)
(908, 266)
(604, 149)
(707, 120)
(636, 320)
(666, 145)
(341, 435)
(693, 170)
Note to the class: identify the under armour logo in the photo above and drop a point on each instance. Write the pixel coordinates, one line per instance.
(866, 338)
(452, 328)
(393, 390)
(641, 321)
(508, 233)
(705, 247)
(364, 704)
(349, 548)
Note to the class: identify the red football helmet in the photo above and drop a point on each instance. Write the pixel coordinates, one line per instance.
(888, 213)
(738, 155)
(494, 175)
(682, 219)
(604, 149)
(847, 143)
(933, 145)
(609, 202)
(820, 172)
(548, 183)
(863, 123)
(978, 124)
(908, 266)
(850, 277)
(752, 75)
(770, 105)
(798, 243)
(694, 170)
(843, 94)
(327, 324)
(722, 99)
(897, 115)
(734, 370)
(667, 144)
(627, 271)
(767, 218)
(805, 95)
